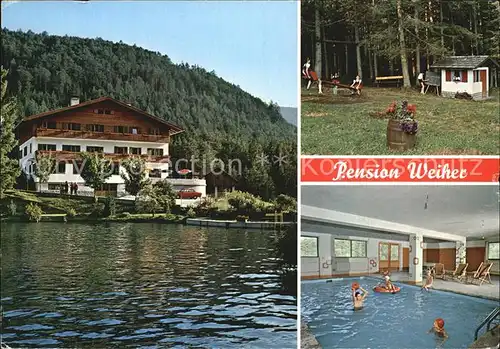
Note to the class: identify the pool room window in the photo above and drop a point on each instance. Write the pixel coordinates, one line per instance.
(309, 246)
(350, 248)
(493, 251)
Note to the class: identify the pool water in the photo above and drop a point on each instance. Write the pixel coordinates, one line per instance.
(388, 321)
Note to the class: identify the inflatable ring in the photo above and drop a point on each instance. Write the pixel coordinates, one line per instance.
(380, 289)
(409, 249)
(421, 244)
(373, 263)
(415, 260)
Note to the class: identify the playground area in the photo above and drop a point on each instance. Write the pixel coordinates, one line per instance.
(343, 124)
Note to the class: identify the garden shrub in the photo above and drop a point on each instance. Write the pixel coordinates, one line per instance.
(33, 212)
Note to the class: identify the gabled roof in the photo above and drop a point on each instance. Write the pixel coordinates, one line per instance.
(174, 128)
(463, 62)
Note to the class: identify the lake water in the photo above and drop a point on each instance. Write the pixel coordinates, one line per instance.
(142, 285)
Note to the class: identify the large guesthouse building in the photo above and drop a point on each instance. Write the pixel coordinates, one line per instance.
(105, 125)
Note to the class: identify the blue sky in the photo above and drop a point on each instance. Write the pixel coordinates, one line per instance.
(252, 44)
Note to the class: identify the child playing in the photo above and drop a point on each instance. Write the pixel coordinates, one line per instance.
(428, 281)
(357, 84)
(388, 284)
(358, 296)
(438, 329)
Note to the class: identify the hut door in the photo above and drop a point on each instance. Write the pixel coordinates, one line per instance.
(484, 83)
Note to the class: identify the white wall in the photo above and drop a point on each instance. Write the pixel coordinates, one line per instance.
(326, 264)
(449, 88)
(108, 145)
(454, 87)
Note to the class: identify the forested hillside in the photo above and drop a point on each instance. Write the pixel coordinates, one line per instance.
(221, 120)
(395, 37)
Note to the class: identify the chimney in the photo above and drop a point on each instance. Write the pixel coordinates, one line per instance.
(74, 101)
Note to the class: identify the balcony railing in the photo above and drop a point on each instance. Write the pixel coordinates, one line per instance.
(49, 132)
(61, 155)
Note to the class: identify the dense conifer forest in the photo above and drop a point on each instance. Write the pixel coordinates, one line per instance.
(395, 37)
(221, 120)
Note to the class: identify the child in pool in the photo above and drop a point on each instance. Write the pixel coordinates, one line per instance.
(438, 329)
(428, 281)
(358, 297)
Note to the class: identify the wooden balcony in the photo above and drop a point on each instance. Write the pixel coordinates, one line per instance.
(61, 155)
(60, 133)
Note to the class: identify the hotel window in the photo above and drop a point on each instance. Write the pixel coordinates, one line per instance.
(20, 154)
(308, 246)
(72, 148)
(54, 186)
(120, 129)
(350, 248)
(99, 111)
(95, 128)
(47, 147)
(121, 150)
(95, 149)
(493, 250)
(25, 151)
(134, 130)
(155, 173)
(154, 131)
(155, 151)
(108, 112)
(135, 151)
(71, 126)
(77, 167)
(49, 124)
(61, 167)
(115, 168)
(31, 148)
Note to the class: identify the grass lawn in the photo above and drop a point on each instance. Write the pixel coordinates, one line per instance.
(342, 125)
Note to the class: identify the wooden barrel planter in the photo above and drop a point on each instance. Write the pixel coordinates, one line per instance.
(398, 139)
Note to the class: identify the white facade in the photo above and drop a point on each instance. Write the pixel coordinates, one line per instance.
(475, 89)
(27, 159)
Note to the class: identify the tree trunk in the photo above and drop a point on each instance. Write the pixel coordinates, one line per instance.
(370, 63)
(417, 48)
(402, 47)
(346, 60)
(375, 64)
(325, 55)
(358, 51)
(474, 13)
(317, 31)
(441, 23)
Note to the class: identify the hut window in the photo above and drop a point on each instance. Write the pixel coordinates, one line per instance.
(477, 76)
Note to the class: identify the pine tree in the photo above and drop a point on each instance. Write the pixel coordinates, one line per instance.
(9, 168)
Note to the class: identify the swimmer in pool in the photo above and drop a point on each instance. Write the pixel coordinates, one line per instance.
(358, 297)
(428, 281)
(438, 329)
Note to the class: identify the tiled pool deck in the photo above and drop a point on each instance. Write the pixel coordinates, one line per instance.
(490, 291)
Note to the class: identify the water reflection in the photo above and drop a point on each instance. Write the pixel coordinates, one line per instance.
(143, 285)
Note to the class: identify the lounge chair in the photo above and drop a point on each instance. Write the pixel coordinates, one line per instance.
(439, 271)
(459, 273)
(482, 274)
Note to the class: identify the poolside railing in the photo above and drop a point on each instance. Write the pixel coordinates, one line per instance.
(487, 321)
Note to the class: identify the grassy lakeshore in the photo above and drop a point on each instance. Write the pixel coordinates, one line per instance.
(342, 125)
